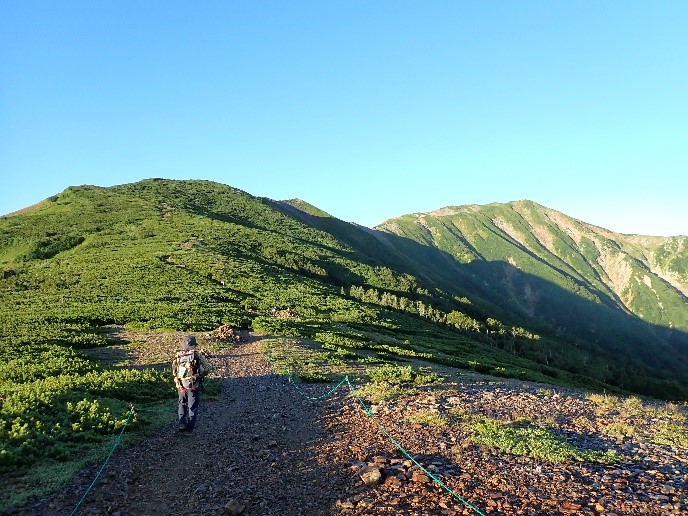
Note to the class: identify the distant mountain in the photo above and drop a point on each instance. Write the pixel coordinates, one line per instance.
(514, 290)
(625, 293)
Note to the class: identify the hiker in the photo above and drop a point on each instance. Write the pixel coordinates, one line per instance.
(189, 368)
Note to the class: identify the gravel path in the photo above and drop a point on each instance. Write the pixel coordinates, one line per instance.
(255, 447)
(264, 449)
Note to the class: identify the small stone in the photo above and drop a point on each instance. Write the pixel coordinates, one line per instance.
(393, 482)
(234, 508)
(570, 506)
(419, 477)
(370, 475)
(668, 489)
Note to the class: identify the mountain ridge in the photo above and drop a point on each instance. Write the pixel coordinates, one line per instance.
(612, 269)
(478, 295)
(519, 263)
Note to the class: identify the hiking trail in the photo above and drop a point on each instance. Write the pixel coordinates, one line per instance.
(256, 446)
(263, 449)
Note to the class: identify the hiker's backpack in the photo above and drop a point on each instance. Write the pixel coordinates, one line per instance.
(187, 368)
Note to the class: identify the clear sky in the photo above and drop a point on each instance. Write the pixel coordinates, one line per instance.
(366, 109)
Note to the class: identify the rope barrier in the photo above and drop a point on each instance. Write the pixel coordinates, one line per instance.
(291, 379)
(114, 447)
(369, 412)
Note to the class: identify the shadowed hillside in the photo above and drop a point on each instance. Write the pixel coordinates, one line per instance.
(624, 294)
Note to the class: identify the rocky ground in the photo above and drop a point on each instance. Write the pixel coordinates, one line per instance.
(264, 448)
(649, 479)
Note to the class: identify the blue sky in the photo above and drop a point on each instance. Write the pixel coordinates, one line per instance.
(365, 109)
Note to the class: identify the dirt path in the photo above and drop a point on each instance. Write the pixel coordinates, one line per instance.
(264, 448)
(254, 447)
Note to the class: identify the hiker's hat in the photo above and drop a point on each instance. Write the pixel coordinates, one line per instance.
(189, 342)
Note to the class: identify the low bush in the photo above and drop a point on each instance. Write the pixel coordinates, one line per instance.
(431, 419)
(396, 375)
(522, 439)
(379, 392)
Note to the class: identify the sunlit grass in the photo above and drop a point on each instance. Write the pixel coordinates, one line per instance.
(519, 438)
(671, 434)
(379, 392)
(431, 419)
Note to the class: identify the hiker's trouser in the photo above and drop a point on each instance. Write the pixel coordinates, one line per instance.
(187, 411)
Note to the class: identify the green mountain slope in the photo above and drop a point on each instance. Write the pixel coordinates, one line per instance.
(478, 289)
(626, 294)
(504, 281)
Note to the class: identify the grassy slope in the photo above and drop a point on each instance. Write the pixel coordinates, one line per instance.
(191, 255)
(606, 289)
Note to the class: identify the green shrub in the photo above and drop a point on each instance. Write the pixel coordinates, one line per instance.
(395, 374)
(428, 419)
(47, 417)
(378, 392)
(314, 377)
(522, 439)
(211, 388)
(340, 352)
(671, 434)
(337, 339)
(275, 326)
(51, 245)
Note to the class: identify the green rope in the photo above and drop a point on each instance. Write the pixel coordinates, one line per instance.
(114, 447)
(369, 413)
(291, 379)
(444, 486)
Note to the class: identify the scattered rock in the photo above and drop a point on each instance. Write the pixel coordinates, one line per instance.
(226, 333)
(370, 475)
(262, 443)
(419, 477)
(668, 489)
(234, 508)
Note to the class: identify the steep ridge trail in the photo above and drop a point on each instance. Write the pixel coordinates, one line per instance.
(256, 447)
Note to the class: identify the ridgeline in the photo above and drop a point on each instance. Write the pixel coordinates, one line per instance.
(511, 290)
